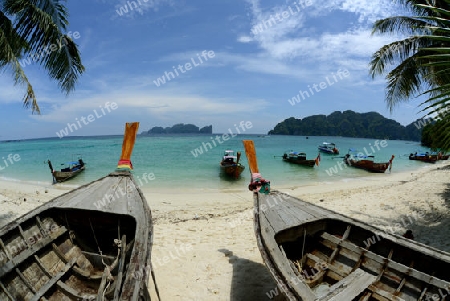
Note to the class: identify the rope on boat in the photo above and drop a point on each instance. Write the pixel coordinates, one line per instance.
(108, 271)
(303, 248)
(95, 237)
(68, 227)
(107, 277)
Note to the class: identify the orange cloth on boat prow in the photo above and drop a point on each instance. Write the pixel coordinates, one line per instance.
(131, 129)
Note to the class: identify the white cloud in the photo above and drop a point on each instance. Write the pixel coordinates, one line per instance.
(157, 104)
(287, 40)
(245, 39)
(10, 93)
(368, 11)
(294, 46)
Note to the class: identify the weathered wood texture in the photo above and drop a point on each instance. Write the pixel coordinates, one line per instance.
(249, 147)
(317, 254)
(65, 248)
(129, 139)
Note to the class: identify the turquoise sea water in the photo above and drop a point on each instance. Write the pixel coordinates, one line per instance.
(171, 162)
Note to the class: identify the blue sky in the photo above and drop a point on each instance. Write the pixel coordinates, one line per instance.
(240, 61)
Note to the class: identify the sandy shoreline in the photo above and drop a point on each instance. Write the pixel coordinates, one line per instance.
(204, 245)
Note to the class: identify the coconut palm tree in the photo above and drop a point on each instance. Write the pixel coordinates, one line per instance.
(422, 60)
(37, 29)
(438, 103)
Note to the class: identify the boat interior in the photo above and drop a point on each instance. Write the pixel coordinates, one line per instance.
(66, 254)
(334, 256)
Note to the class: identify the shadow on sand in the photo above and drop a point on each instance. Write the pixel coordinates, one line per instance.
(251, 280)
(6, 218)
(426, 223)
(446, 193)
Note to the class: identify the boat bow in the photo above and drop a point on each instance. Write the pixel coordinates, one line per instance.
(315, 254)
(92, 243)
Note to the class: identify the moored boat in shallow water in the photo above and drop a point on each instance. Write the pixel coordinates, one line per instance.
(230, 166)
(328, 148)
(360, 161)
(300, 159)
(73, 169)
(424, 157)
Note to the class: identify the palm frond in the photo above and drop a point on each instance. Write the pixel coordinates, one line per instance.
(401, 24)
(441, 132)
(38, 30)
(392, 53)
(439, 10)
(404, 82)
(65, 65)
(419, 6)
(11, 46)
(42, 23)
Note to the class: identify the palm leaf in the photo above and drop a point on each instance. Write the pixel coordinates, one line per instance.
(38, 30)
(421, 69)
(438, 10)
(400, 24)
(11, 46)
(404, 82)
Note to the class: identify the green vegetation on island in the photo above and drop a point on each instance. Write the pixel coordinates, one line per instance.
(180, 128)
(349, 124)
(434, 134)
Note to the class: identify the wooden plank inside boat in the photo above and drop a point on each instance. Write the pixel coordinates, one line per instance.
(86, 244)
(317, 254)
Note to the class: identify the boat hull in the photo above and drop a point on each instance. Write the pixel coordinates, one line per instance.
(309, 163)
(368, 165)
(317, 254)
(91, 241)
(427, 159)
(444, 157)
(328, 151)
(232, 170)
(61, 176)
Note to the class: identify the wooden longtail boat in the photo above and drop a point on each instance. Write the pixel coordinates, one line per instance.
(300, 158)
(367, 163)
(328, 148)
(92, 243)
(443, 157)
(426, 157)
(74, 168)
(230, 165)
(317, 254)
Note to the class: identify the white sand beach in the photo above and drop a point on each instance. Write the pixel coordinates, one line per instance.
(204, 245)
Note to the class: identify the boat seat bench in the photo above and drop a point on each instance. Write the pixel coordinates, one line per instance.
(384, 267)
(351, 286)
(14, 262)
(53, 281)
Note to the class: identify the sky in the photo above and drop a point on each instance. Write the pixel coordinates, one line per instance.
(219, 63)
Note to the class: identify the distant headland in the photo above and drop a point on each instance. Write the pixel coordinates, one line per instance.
(350, 124)
(179, 128)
